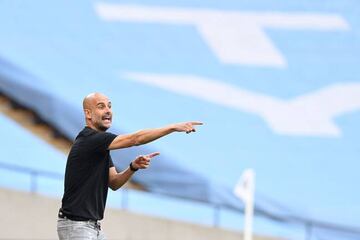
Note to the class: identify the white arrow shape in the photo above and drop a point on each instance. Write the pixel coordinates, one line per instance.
(311, 114)
(235, 37)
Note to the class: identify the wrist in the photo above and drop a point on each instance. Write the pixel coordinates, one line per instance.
(172, 128)
(132, 168)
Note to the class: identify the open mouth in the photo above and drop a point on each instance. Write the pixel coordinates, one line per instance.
(106, 119)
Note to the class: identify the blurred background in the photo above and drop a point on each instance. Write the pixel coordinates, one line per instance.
(276, 84)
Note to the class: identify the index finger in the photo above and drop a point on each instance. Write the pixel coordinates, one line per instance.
(154, 154)
(196, 123)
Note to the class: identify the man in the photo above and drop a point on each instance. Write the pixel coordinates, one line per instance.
(90, 170)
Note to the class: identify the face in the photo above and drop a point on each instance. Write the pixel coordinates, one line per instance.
(99, 114)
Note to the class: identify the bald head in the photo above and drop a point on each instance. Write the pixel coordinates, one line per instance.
(97, 110)
(91, 99)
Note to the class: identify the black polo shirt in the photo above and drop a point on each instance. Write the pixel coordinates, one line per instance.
(87, 175)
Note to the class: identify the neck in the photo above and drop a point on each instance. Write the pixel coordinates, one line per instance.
(93, 127)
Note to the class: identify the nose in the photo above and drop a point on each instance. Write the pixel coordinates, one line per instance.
(108, 110)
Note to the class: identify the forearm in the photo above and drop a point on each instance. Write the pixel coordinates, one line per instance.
(119, 179)
(149, 135)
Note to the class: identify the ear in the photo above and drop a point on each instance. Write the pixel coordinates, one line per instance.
(87, 113)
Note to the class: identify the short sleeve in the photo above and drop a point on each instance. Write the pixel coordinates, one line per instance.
(100, 141)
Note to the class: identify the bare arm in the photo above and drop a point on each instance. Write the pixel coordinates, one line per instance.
(149, 135)
(117, 180)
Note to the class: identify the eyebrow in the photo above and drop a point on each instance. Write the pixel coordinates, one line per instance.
(102, 103)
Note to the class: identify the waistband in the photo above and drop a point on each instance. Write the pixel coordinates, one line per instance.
(61, 214)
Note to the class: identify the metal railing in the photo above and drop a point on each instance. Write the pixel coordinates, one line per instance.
(33, 173)
(309, 225)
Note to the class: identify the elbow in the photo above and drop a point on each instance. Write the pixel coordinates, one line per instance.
(113, 186)
(137, 141)
(139, 138)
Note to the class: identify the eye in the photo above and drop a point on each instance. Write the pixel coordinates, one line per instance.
(101, 106)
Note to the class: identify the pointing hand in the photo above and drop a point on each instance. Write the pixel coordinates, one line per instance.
(187, 127)
(143, 161)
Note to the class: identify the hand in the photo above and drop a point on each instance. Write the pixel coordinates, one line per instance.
(187, 127)
(143, 161)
